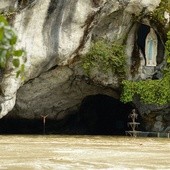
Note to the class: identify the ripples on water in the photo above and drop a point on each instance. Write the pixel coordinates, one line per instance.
(83, 152)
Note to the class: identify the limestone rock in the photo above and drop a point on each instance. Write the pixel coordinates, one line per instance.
(55, 93)
(6, 5)
(136, 6)
(55, 34)
(158, 126)
(159, 118)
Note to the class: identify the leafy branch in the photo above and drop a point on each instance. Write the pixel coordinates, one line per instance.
(8, 51)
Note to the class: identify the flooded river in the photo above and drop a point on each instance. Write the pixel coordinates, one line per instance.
(83, 152)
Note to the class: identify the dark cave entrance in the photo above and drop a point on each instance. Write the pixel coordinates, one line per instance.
(104, 115)
(98, 115)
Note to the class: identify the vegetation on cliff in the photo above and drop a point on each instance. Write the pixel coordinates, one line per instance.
(8, 51)
(105, 56)
(153, 91)
(157, 15)
(150, 91)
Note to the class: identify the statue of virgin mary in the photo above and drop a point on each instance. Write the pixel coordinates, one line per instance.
(151, 44)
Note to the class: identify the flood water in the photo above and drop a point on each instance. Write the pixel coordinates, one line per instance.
(58, 152)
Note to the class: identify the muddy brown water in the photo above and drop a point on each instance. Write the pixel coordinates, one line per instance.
(59, 152)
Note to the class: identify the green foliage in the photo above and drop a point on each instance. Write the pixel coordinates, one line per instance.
(158, 14)
(150, 91)
(105, 56)
(8, 40)
(167, 44)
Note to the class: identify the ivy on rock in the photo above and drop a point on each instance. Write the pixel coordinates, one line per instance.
(8, 51)
(158, 14)
(105, 56)
(150, 91)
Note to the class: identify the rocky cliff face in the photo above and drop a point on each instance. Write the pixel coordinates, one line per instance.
(55, 34)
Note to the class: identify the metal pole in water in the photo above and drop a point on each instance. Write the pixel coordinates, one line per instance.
(44, 121)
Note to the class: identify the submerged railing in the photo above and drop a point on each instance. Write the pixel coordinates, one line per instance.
(134, 125)
(149, 134)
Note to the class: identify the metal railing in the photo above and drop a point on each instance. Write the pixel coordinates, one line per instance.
(148, 134)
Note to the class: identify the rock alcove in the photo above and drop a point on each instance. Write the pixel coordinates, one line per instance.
(146, 50)
(97, 115)
(142, 33)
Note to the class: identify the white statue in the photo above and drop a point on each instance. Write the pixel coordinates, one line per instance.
(151, 44)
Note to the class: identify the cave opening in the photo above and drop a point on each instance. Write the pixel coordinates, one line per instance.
(97, 115)
(104, 115)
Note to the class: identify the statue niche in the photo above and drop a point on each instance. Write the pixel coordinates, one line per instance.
(151, 44)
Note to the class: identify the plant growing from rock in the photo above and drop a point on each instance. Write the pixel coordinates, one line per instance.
(150, 91)
(105, 56)
(158, 14)
(8, 51)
